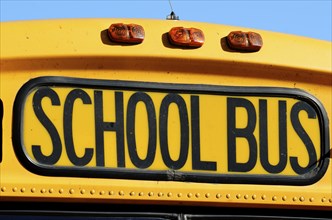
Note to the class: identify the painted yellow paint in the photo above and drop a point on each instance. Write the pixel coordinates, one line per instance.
(81, 49)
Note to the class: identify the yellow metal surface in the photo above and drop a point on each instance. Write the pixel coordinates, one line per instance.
(81, 49)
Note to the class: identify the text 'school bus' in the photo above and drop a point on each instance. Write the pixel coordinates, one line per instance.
(149, 119)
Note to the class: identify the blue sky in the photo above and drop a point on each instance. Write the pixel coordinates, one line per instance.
(310, 18)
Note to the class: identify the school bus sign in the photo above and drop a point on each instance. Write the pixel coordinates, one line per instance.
(158, 131)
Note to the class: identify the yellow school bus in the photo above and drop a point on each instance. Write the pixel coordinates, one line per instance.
(163, 119)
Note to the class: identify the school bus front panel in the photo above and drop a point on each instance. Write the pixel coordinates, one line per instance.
(88, 119)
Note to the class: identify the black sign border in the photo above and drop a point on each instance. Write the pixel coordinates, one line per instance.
(169, 175)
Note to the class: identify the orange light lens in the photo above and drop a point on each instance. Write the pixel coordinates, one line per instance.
(245, 41)
(187, 37)
(126, 33)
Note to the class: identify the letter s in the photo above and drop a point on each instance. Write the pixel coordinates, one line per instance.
(297, 108)
(49, 126)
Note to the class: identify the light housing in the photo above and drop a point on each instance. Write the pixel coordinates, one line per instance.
(126, 33)
(186, 37)
(245, 41)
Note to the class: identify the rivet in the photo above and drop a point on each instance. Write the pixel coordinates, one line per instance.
(132, 193)
(246, 196)
(189, 195)
(33, 190)
(121, 193)
(218, 196)
(254, 197)
(284, 198)
(43, 190)
(82, 191)
(60, 191)
(111, 193)
(295, 199)
(330, 200)
(141, 194)
(274, 198)
(102, 192)
(228, 196)
(169, 194)
(14, 189)
(51, 190)
(179, 194)
(324, 199)
(92, 191)
(23, 190)
(197, 195)
(150, 194)
(311, 199)
(263, 197)
(71, 191)
(3, 189)
(301, 198)
(238, 196)
(207, 195)
(160, 194)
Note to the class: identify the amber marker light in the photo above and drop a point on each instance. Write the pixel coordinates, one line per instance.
(126, 33)
(186, 37)
(245, 41)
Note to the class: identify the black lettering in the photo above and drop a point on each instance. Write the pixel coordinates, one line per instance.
(297, 108)
(263, 137)
(68, 127)
(101, 126)
(248, 133)
(197, 164)
(163, 131)
(49, 126)
(131, 136)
